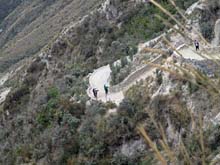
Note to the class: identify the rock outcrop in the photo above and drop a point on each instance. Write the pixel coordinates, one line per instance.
(216, 40)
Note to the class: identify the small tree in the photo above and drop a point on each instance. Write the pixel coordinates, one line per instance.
(159, 76)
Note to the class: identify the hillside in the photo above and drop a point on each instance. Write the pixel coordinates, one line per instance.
(30, 25)
(167, 110)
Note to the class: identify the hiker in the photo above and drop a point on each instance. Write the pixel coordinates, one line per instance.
(95, 92)
(196, 44)
(106, 89)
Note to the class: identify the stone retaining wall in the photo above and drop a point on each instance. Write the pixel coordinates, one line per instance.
(133, 77)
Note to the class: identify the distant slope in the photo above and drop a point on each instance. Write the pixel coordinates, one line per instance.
(30, 25)
(6, 6)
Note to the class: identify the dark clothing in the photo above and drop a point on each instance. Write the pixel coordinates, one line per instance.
(95, 92)
(196, 45)
(106, 89)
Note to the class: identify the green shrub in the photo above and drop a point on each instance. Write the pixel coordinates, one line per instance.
(144, 25)
(50, 112)
(183, 4)
(192, 87)
(45, 118)
(16, 98)
(75, 109)
(71, 121)
(122, 160)
(97, 108)
(126, 108)
(124, 61)
(213, 139)
(120, 72)
(207, 29)
(110, 105)
(25, 152)
(53, 92)
(208, 19)
(159, 77)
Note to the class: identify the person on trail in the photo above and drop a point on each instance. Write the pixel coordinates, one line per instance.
(106, 89)
(95, 92)
(196, 44)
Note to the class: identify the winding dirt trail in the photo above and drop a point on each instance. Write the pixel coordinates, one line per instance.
(101, 76)
(189, 53)
(98, 79)
(4, 91)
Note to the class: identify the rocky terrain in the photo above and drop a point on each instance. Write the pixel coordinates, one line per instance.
(28, 26)
(49, 48)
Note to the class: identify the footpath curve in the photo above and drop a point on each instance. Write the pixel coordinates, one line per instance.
(101, 76)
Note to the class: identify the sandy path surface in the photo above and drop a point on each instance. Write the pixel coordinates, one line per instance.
(101, 76)
(4, 91)
(98, 79)
(191, 53)
(4, 94)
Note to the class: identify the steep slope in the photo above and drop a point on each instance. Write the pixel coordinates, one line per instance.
(49, 91)
(32, 24)
(7, 6)
(47, 118)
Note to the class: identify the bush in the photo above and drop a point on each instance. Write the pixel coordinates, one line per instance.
(159, 77)
(75, 109)
(71, 121)
(50, 112)
(16, 98)
(110, 105)
(185, 4)
(96, 108)
(214, 6)
(122, 160)
(36, 66)
(53, 92)
(213, 137)
(45, 117)
(192, 87)
(124, 61)
(24, 152)
(207, 30)
(126, 108)
(120, 72)
(208, 19)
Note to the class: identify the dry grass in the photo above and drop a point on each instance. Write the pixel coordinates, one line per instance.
(32, 36)
(154, 50)
(176, 21)
(153, 146)
(165, 155)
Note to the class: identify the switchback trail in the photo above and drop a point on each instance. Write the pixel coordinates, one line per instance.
(101, 76)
